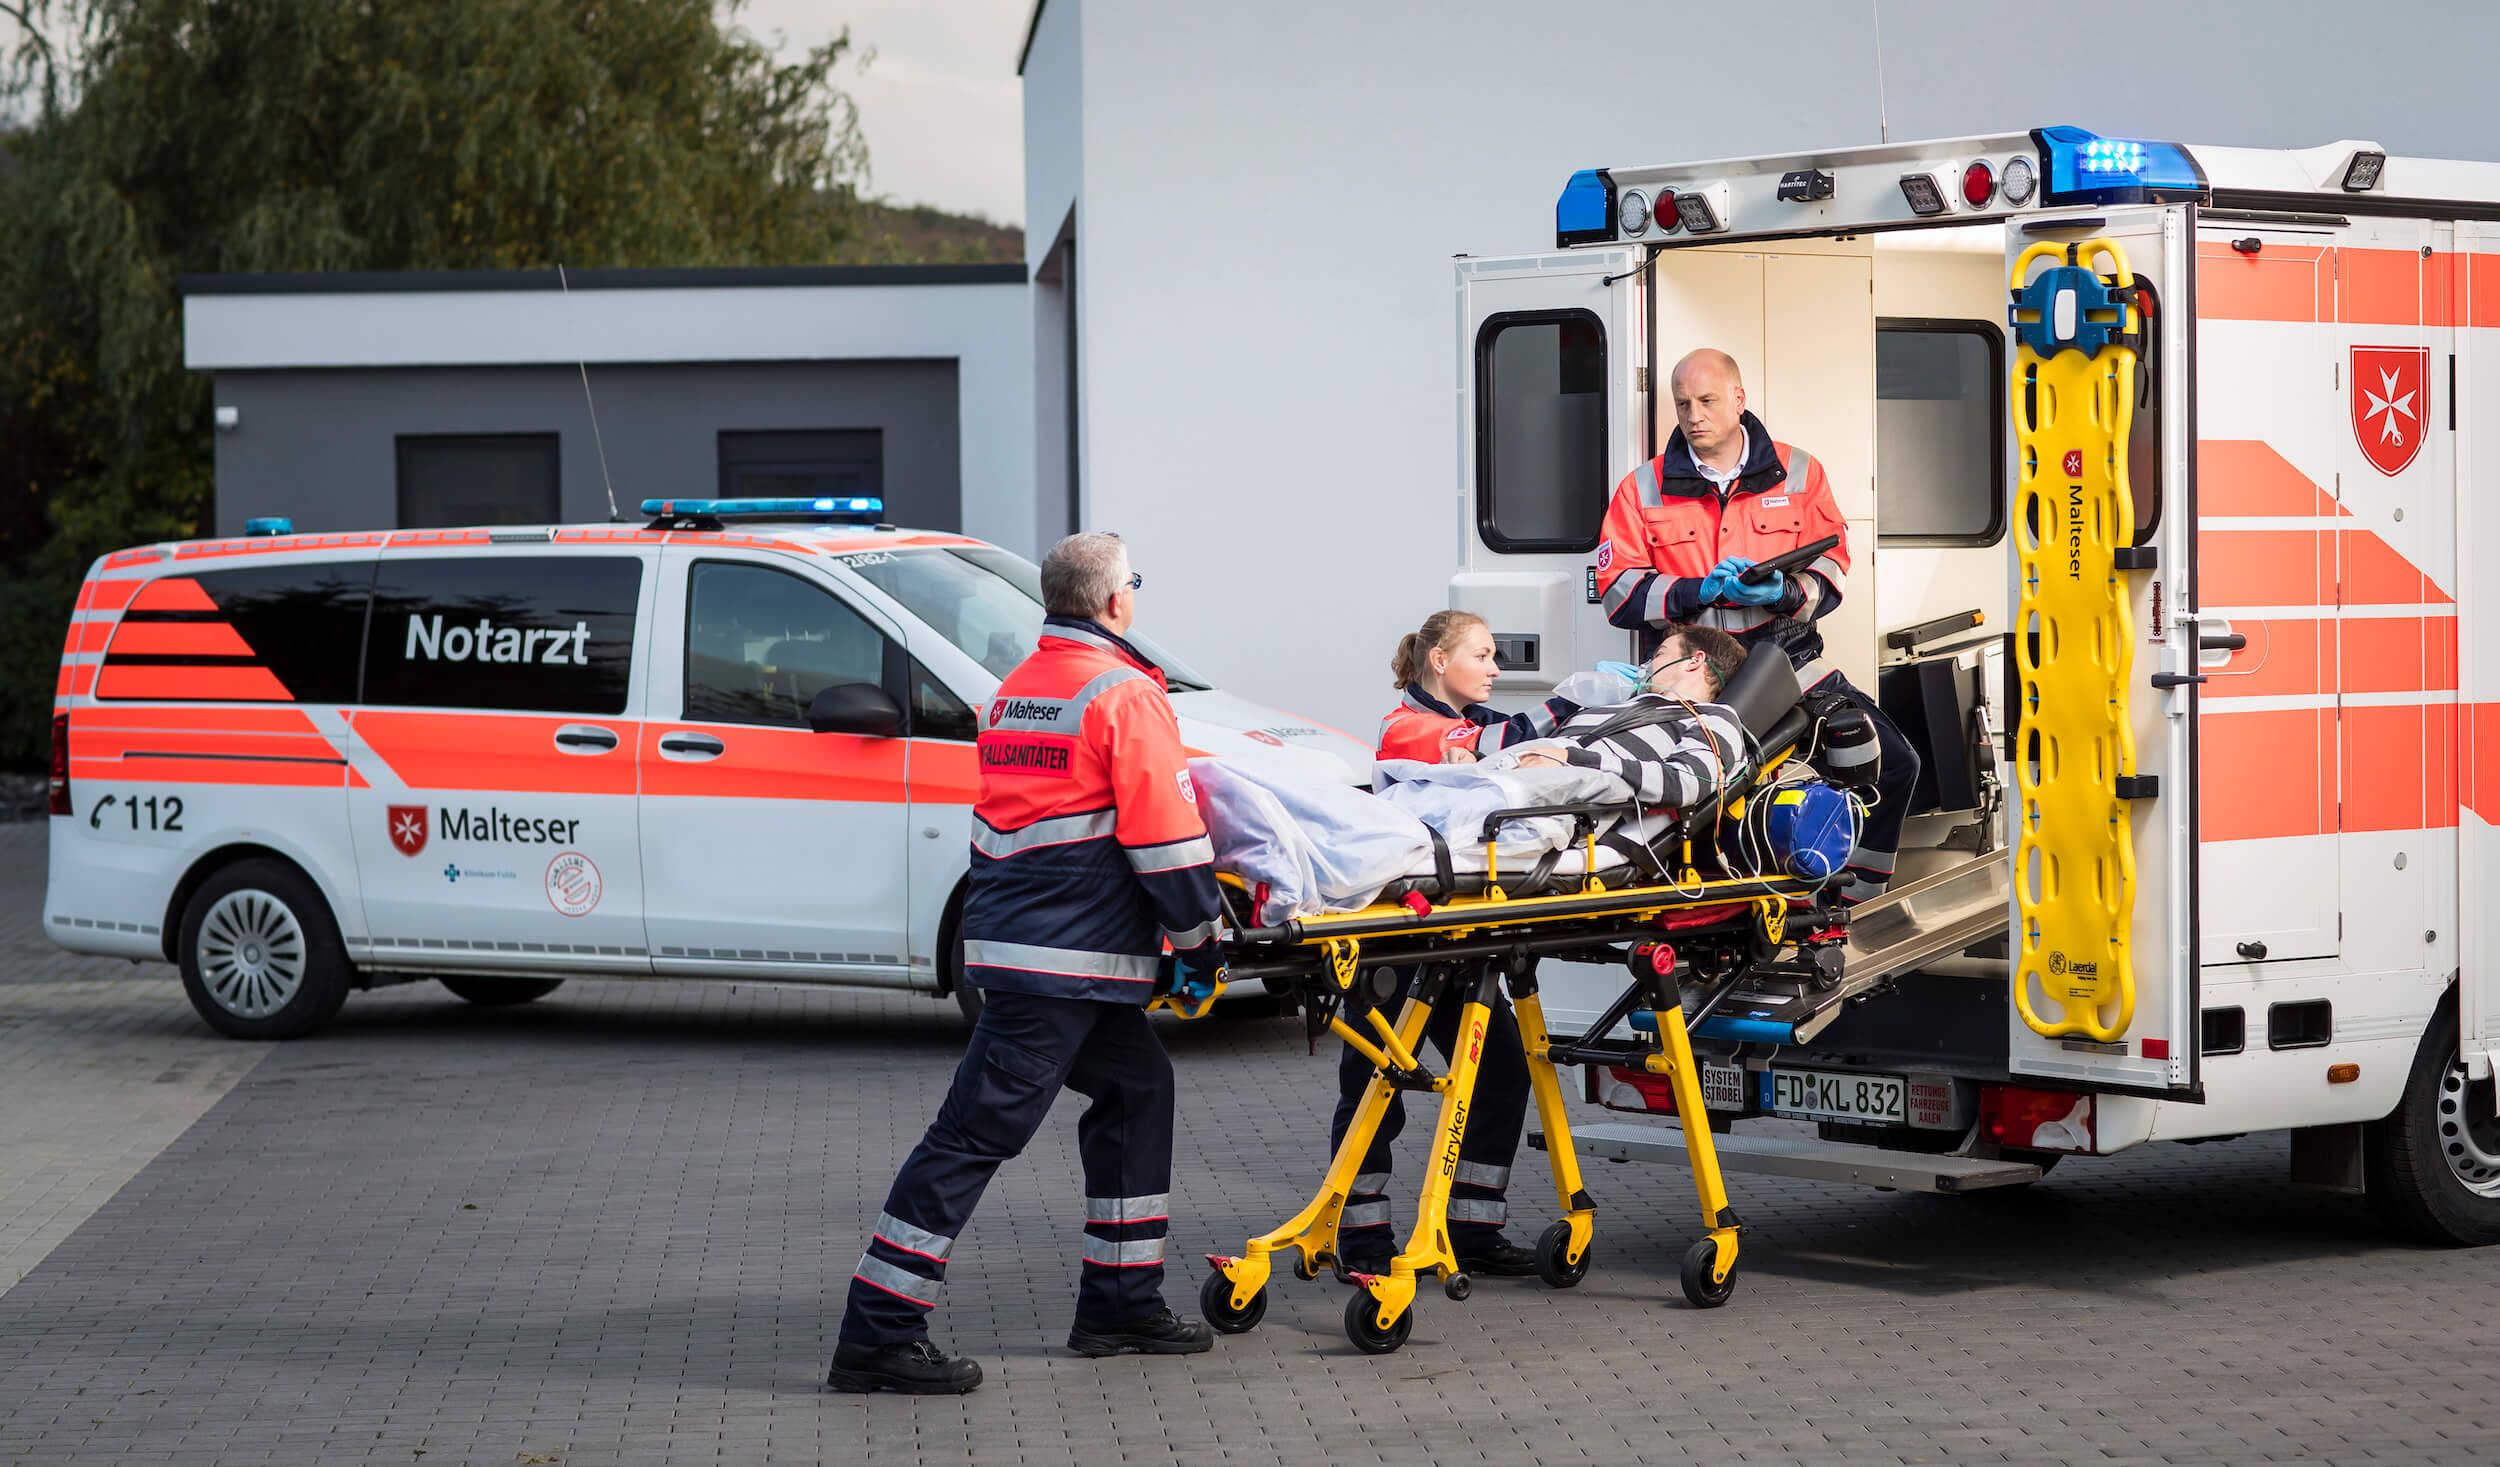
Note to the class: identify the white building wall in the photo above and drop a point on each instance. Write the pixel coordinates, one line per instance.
(1270, 196)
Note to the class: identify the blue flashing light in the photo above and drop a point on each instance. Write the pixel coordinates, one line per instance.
(842, 510)
(276, 524)
(2081, 167)
(1585, 214)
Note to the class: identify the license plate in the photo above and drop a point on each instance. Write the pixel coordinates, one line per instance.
(1836, 1095)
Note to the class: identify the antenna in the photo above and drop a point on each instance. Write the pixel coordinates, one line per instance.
(1883, 124)
(588, 401)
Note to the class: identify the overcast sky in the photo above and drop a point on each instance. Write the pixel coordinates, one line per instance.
(940, 105)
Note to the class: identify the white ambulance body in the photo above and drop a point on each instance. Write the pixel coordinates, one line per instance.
(2314, 937)
(301, 763)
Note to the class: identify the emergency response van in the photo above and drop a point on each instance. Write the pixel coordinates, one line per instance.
(2205, 843)
(733, 743)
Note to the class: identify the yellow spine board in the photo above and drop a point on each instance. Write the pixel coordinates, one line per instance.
(2074, 854)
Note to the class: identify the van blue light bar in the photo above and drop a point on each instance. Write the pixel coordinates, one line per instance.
(1585, 214)
(842, 511)
(2081, 167)
(276, 524)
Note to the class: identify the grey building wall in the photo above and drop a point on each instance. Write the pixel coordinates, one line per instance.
(319, 446)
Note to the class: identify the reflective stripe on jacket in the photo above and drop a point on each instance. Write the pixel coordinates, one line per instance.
(1088, 851)
(1667, 526)
(1423, 727)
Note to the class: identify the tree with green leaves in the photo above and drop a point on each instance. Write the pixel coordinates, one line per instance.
(159, 137)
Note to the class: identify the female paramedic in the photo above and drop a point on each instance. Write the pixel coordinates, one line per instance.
(1445, 669)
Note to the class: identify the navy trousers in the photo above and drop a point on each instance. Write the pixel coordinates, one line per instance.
(1024, 1049)
(1879, 835)
(1479, 1197)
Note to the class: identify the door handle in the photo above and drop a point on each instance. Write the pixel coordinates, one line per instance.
(585, 738)
(2222, 641)
(691, 747)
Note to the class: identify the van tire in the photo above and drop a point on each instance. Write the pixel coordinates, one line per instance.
(2413, 1160)
(496, 993)
(250, 930)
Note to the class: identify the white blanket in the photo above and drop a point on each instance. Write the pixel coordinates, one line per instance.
(1306, 847)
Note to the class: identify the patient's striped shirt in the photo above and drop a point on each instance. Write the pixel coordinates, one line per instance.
(1678, 761)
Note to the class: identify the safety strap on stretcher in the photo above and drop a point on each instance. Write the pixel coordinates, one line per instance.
(2078, 328)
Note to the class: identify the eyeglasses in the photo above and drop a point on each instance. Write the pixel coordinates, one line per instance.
(1135, 581)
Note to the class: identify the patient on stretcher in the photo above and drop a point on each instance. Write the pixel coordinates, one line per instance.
(1658, 742)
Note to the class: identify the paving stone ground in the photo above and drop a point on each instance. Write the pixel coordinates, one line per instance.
(614, 1226)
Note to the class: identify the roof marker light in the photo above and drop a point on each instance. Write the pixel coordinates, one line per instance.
(1704, 210)
(1634, 213)
(2362, 173)
(1979, 183)
(2017, 179)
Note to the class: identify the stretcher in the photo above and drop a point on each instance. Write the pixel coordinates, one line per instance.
(1655, 910)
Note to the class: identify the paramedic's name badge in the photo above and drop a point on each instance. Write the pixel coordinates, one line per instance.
(1189, 791)
(1461, 734)
(1775, 501)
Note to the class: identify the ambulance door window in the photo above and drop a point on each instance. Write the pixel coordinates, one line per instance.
(760, 643)
(1541, 481)
(526, 633)
(936, 713)
(1940, 431)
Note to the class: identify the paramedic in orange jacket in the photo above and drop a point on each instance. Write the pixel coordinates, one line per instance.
(1088, 856)
(1722, 496)
(1445, 671)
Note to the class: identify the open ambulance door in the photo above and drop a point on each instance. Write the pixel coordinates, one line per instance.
(1552, 354)
(2476, 409)
(2103, 941)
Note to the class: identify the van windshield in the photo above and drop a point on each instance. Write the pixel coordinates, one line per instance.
(986, 601)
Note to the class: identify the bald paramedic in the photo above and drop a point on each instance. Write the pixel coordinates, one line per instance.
(1722, 496)
(1088, 857)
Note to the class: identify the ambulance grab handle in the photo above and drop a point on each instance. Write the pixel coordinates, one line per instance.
(2222, 641)
(585, 737)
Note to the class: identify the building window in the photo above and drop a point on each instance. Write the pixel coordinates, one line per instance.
(762, 643)
(1939, 432)
(843, 464)
(1541, 481)
(453, 479)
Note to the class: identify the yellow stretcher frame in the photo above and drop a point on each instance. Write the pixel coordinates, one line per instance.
(1380, 1315)
(2074, 853)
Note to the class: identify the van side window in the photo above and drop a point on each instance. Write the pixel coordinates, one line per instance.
(936, 713)
(537, 633)
(1940, 423)
(1541, 481)
(264, 634)
(761, 642)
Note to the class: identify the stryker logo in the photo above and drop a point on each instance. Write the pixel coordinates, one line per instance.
(493, 824)
(486, 642)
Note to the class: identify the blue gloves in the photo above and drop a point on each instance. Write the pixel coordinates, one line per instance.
(1634, 677)
(1197, 981)
(1714, 586)
(1769, 591)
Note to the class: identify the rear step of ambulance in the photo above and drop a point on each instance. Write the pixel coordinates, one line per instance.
(1935, 916)
(1818, 1161)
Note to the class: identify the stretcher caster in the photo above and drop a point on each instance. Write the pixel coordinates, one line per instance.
(1700, 1261)
(1457, 1287)
(1554, 1262)
(1215, 1301)
(1306, 1267)
(1362, 1325)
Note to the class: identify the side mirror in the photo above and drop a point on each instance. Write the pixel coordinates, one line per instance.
(855, 708)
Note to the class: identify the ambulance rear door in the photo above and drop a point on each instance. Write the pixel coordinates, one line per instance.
(2062, 866)
(1552, 355)
(2475, 404)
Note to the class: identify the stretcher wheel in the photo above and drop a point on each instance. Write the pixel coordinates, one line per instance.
(1457, 1287)
(1361, 1326)
(1699, 1260)
(1305, 1266)
(1553, 1263)
(1215, 1301)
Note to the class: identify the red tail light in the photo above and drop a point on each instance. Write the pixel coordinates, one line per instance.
(1656, 1092)
(60, 764)
(1979, 184)
(2035, 1120)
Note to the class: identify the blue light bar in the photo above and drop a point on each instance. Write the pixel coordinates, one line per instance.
(276, 524)
(2081, 167)
(845, 511)
(1585, 214)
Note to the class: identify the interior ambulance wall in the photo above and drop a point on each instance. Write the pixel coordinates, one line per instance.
(1272, 195)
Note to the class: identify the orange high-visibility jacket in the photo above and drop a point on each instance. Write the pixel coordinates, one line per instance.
(1423, 727)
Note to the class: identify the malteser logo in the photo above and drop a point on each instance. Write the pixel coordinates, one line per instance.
(430, 640)
(408, 828)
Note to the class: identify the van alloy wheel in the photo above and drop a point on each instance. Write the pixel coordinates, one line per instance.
(251, 954)
(2469, 1134)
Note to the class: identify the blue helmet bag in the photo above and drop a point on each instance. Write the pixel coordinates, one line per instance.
(1811, 829)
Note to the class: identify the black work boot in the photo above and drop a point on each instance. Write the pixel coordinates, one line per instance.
(1159, 1333)
(913, 1368)
(1495, 1257)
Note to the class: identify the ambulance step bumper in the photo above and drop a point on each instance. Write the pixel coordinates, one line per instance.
(1816, 1161)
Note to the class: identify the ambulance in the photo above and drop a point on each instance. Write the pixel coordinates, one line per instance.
(735, 742)
(2158, 465)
